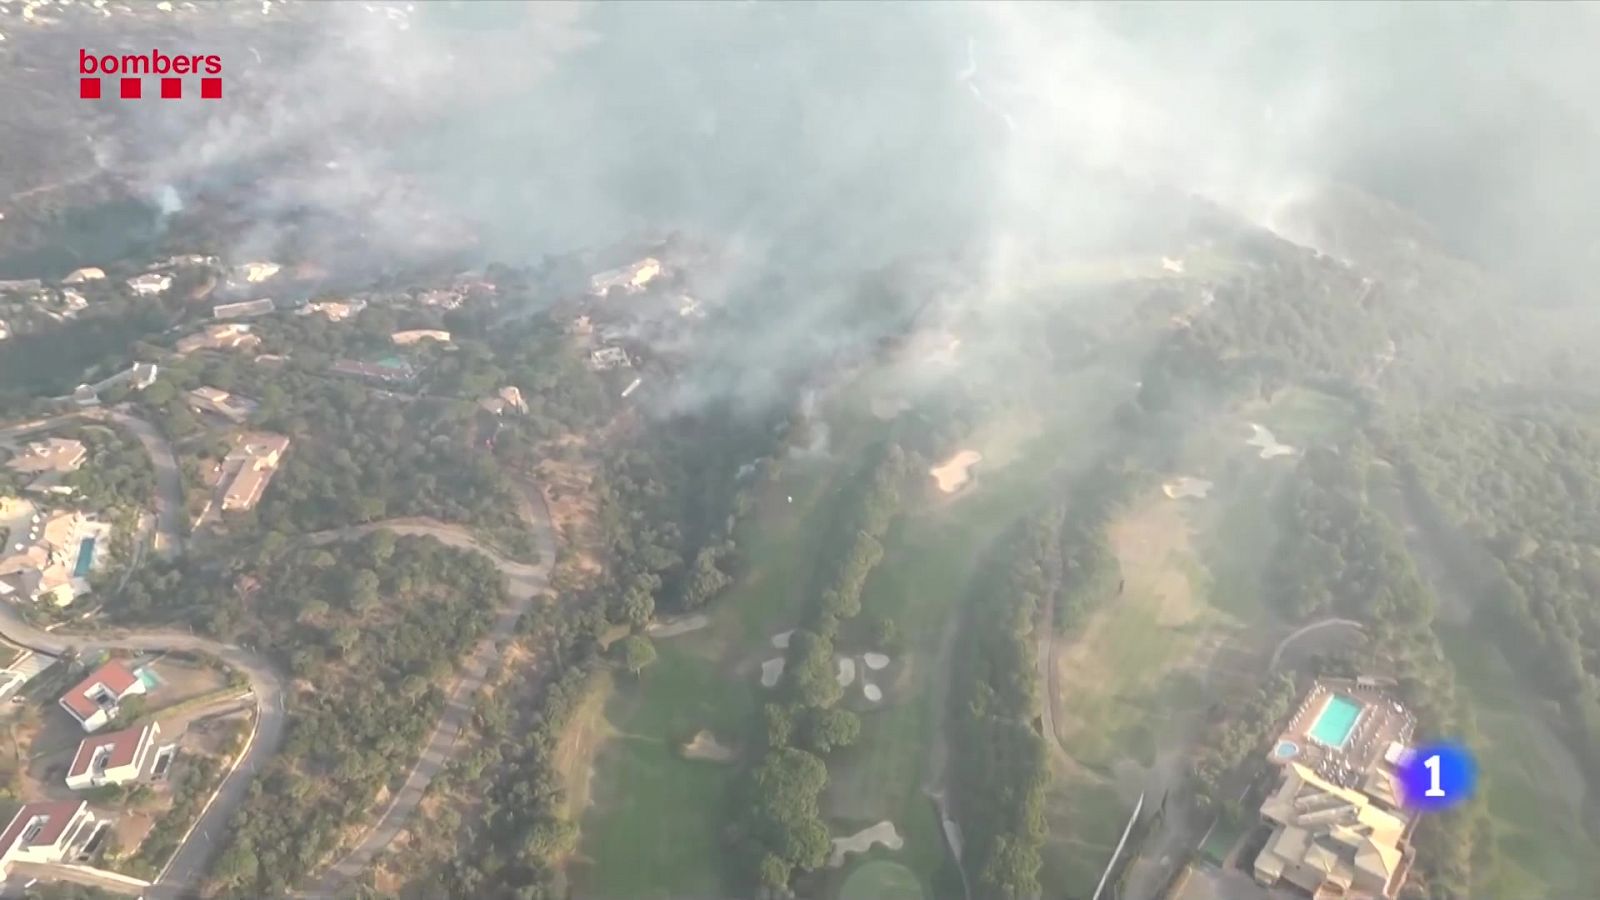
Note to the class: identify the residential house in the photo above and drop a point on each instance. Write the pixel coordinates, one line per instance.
(508, 398)
(114, 758)
(45, 565)
(244, 309)
(149, 283)
(45, 832)
(406, 338)
(388, 370)
(53, 455)
(230, 406)
(256, 272)
(1331, 841)
(444, 298)
(96, 700)
(609, 358)
(630, 278)
(232, 336)
(84, 275)
(249, 467)
(334, 310)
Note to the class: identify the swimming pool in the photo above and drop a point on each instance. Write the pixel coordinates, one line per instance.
(85, 557)
(1286, 750)
(1336, 721)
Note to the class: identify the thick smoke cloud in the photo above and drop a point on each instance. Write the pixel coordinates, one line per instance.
(828, 140)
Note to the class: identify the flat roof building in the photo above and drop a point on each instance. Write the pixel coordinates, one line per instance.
(117, 757)
(44, 832)
(244, 309)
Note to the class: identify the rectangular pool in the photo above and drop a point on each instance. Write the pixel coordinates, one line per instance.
(1336, 721)
(85, 557)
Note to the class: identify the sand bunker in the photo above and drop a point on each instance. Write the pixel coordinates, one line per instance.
(882, 833)
(781, 639)
(847, 671)
(1182, 487)
(957, 471)
(1270, 447)
(706, 746)
(871, 691)
(875, 661)
(680, 626)
(1175, 266)
(771, 671)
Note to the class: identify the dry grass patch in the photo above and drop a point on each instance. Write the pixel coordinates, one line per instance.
(580, 740)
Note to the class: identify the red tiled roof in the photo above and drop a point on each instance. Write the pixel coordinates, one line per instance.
(121, 746)
(113, 675)
(57, 815)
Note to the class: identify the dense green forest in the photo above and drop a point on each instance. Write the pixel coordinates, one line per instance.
(370, 631)
(1338, 554)
(1520, 481)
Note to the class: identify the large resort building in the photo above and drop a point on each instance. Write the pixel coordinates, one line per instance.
(1338, 830)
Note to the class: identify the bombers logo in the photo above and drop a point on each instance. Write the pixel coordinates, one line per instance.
(131, 66)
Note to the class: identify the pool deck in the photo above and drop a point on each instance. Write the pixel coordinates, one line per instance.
(1382, 720)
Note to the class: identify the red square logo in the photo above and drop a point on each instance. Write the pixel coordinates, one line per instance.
(89, 88)
(131, 88)
(211, 88)
(171, 88)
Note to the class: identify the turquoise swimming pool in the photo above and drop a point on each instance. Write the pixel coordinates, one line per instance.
(1336, 721)
(85, 557)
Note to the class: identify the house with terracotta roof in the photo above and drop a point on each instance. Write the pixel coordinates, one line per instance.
(45, 832)
(96, 700)
(115, 758)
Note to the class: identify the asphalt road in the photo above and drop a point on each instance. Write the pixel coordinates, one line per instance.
(524, 582)
(189, 864)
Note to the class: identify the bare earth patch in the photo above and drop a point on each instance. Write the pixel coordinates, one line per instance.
(956, 471)
(706, 746)
(678, 626)
(882, 833)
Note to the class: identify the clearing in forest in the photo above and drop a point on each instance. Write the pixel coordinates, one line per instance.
(1126, 685)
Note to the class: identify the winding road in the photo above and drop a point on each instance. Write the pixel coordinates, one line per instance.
(189, 863)
(524, 583)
